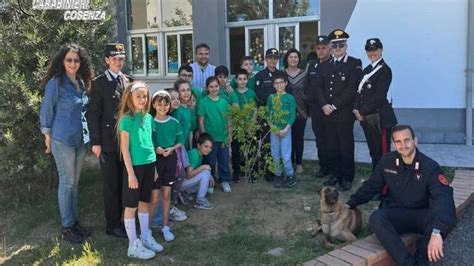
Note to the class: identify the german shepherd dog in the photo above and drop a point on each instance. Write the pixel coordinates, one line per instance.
(337, 221)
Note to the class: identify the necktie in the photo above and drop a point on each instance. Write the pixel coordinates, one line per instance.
(119, 84)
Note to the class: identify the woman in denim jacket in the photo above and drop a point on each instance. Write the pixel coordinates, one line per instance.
(64, 126)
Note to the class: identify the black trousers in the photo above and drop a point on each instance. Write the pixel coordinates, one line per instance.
(378, 139)
(389, 223)
(319, 130)
(340, 145)
(112, 170)
(297, 139)
(236, 158)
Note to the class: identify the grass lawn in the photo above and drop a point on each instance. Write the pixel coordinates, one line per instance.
(243, 227)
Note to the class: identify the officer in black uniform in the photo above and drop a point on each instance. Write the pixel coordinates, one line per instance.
(371, 105)
(418, 199)
(263, 79)
(263, 89)
(317, 115)
(101, 116)
(336, 89)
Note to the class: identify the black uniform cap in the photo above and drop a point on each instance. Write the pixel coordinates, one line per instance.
(373, 44)
(322, 39)
(115, 50)
(337, 35)
(271, 52)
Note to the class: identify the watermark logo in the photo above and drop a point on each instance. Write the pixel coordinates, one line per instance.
(73, 9)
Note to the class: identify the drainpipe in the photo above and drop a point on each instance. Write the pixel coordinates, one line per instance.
(469, 71)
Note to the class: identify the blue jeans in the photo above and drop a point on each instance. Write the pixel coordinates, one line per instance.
(220, 154)
(281, 151)
(69, 161)
(158, 218)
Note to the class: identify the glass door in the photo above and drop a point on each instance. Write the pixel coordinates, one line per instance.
(255, 45)
(287, 37)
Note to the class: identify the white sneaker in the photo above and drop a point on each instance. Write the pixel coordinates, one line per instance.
(177, 215)
(226, 187)
(179, 211)
(167, 235)
(137, 250)
(210, 190)
(150, 243)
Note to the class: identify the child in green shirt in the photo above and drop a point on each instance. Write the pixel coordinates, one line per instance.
(136, 146)
(281, 115)
(198, 175)
(213, 119)
(246, 63)
(222, 75)
(240, 97)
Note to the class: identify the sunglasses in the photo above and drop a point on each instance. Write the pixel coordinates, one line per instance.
(338, 45)
(70, 60)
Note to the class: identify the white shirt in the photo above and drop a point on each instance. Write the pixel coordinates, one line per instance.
(201, 74)
(115, 75)
(376, 62)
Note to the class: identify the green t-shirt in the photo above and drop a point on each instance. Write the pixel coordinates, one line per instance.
(223, 94)
(215, 113)
(140, 140)
(287, 106)
(242, 98)
(195, 159)
(198, 94)
(167, 133)
(194, 122)
(183, 115)
(250, 83)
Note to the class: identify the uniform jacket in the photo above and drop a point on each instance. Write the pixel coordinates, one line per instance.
(264, 85)
(373, 97)
(417, 186)
(338, 86)
(311, 79)
(102, 111)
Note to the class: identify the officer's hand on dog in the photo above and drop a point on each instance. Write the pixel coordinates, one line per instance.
(435, 248)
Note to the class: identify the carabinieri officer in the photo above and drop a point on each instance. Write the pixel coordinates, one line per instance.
(418, 200)
(336, 91)
(371, 107)
(316, 113)
(101, 116)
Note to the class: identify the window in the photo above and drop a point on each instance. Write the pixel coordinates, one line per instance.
(254, 26)
(160, 36)
(295, 8)
(243, 10)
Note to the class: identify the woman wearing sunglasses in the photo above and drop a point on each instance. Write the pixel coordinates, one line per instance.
(64, 126)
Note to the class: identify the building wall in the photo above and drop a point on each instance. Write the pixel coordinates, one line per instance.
(424, 43)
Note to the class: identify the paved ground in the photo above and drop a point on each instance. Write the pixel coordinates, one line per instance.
(445, 154)
(460, 243)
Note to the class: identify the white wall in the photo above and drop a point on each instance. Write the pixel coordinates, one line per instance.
(424, 43)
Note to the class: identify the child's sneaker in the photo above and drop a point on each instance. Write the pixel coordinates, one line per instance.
(177, 215)
(167, 235)
(210, 190)
(290, 182)
(137, 250)
(226, 187)
(150, 243)
(278, 183)
(203, 203)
